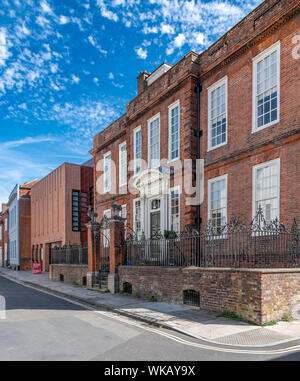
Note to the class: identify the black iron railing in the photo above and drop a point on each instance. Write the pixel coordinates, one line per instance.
(261, 245)
(70, 255)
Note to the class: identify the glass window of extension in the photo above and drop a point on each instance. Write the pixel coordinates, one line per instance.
(137, 151)
(154, 142)
(137, 218)
(175, 210)
(266, 69)
(217, 114)
(107, 172)
(217, 202)
(174, 128)
(122, 164)
(266, 189)
(75, 211)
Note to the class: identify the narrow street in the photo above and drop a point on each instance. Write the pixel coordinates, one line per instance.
(41, 326)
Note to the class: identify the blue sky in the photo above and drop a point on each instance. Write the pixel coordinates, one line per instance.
(68, 68)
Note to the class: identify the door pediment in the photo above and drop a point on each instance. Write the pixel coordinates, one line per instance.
(152, 182)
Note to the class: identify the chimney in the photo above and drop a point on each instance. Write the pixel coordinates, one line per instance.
(142, 81)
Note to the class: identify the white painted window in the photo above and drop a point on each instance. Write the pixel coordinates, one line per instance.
(175, 209)
(266, 187)
(137, 225)
(122, 164)
(217, 114)
(174, 131)
(266, 88)
(5, 224)
(154, 142)
(107, 172)
(5, 251)
(1, 253)
(137, 137)
(217, 202)
(1, 233)
(106, 232)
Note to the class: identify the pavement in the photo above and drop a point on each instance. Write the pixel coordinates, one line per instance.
(186, 320)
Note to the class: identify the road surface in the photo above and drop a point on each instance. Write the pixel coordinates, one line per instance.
(42, 326)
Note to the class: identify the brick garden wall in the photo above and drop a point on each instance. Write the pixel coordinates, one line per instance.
(71, 273)
(256, 295)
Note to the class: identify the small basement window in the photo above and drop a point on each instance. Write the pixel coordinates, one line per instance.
(127, 287)
(191, 298)
(61, 278)
(84, 281)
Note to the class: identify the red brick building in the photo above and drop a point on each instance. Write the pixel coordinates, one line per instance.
(59, 206)
(4, 235)
(236, 106)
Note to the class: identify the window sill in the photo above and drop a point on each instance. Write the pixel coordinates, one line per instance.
(215, 147)
(266, 126)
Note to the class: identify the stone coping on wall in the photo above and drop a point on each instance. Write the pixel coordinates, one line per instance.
(67, 265)
(221, 269)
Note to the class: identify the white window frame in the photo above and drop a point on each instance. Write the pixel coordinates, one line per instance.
(106, 190)
(176, 188)
(5, 224)
(210, 89)
(121, 165)
(209, 183)
(133, 217)
(135, 160)
(170, 108)
(254, 170)
(1, 233)
(255, 61)
(149, 121)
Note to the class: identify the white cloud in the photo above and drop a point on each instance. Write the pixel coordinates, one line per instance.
(4, 53)
(93, 41)
(167, 29)
(63, 20)
(142, 53)
(179, 40)
(75, 79)
(150, 30)
(111, 76)
(105, 12)
(45, 7)
(53, 68)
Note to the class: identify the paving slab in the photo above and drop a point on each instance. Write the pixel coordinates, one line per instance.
(185, 319)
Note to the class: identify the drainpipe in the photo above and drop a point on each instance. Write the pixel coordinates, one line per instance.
(198, 90)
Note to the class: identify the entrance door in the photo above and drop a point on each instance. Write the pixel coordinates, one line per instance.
(154, 223)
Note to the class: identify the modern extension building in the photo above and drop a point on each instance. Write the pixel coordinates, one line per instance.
(59, 206)
(236, 106)
(19, 227)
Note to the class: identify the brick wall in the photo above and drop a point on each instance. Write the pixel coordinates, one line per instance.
(71, 273)
(256, 295)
